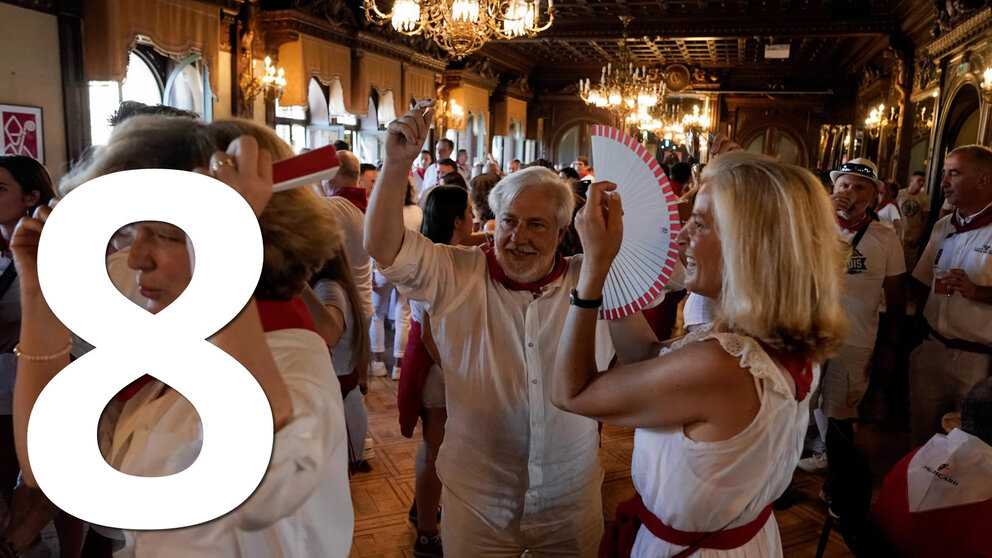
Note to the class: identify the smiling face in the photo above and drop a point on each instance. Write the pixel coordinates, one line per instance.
(527, 235)
(700, 248)
(160, 257)
(858, 191)
(14, 203)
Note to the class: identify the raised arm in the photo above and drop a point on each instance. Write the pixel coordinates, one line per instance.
(44, 340)
(700, 383)
(384, 219)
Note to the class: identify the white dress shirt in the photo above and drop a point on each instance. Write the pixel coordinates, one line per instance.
(507, 449)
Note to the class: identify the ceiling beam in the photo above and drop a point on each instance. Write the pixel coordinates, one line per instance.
(683, 49)
(742, 26)
(655, 51)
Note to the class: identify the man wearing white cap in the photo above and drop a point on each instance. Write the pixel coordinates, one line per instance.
(956, 270)
(876, 266)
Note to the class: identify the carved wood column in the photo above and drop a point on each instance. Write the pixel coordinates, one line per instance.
(75, 88)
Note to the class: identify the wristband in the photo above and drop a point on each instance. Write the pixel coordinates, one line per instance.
(574, 300)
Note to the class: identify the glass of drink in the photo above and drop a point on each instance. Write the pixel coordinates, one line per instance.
(940, 285)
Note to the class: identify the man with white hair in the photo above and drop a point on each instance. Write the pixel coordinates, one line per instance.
(875, 267)
(518, 473)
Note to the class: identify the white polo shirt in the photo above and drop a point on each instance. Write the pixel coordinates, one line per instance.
(955, 316)
(878, 255)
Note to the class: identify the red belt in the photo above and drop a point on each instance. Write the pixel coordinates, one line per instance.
(619, 540)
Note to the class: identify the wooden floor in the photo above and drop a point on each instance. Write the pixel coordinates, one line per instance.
(383, 496)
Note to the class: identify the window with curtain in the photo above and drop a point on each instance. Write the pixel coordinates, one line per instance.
(140, 84)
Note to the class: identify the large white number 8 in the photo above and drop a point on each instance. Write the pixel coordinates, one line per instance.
(234, 412)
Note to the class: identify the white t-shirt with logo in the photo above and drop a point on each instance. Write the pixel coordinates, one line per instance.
(955, 316)
(912, 207)
(878, 255)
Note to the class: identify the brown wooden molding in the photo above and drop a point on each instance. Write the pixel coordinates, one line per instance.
(280, 22)
(456, 78)
(959, 37)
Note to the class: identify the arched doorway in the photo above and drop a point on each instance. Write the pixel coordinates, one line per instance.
(960, 127)
(778, 142)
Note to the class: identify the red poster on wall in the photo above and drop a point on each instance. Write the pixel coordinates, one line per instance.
(21, 131)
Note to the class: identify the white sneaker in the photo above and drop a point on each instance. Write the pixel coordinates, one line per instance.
(816, 463)
(368, 453)
(396, 372)
(378, 368)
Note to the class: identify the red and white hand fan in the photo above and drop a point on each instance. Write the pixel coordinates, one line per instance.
(307, 168)
(651, 223)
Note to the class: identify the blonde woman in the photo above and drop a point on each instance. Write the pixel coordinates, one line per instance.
(721, 414)
(302, 507)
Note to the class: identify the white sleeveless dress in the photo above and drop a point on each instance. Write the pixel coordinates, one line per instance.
(707, 486)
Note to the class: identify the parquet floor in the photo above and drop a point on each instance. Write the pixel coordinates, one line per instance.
(382, 497)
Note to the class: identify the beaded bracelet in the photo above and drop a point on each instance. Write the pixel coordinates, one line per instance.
(42, 358)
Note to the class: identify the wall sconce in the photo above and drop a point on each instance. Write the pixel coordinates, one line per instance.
(924, 122)
(272, 82)
(453, 113)
(878, 120)
(987, 85)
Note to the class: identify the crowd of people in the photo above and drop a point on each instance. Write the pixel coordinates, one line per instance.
(790, 298)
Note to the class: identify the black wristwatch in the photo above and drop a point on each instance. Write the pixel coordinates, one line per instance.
(574, 300)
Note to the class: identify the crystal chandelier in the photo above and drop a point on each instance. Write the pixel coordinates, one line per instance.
(462, 27)
(624, 89)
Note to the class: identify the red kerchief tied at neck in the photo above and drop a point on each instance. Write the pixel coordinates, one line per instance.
(854, 226)
(976, 221)
(496, 272)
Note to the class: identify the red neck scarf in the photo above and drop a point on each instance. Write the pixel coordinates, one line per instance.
(853, 226)
(801, 369)
(496, 272)
(275, 314)
(358, 196)
(979, 220)
(882, 205)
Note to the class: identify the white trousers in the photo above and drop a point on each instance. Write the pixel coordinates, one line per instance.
(467, 532)
(939, 378)
(385, 297)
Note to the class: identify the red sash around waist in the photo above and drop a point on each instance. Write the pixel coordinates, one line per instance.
(619, 540)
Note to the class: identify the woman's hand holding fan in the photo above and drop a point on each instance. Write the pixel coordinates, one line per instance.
(600, 227)
(646, 256)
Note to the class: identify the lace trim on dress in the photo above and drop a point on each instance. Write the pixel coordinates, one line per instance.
(748, 351)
